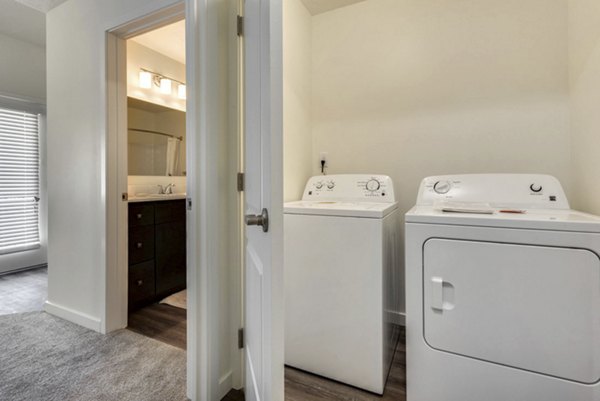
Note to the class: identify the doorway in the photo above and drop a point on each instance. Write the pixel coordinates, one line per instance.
(156, 185)
(211, 203)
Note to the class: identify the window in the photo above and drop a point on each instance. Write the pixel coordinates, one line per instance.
(19, 181)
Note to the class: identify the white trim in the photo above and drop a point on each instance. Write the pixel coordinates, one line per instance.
(87, 321)
(29, 104)
(397, 318)
(225, 384)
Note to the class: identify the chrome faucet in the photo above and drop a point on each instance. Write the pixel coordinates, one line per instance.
(166, 190)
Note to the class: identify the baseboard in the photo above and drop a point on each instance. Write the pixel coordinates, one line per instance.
(397, 318)
(73, 316)
(225, 384)
(22, 269)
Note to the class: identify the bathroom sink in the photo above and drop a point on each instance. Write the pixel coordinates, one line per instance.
(155, 197)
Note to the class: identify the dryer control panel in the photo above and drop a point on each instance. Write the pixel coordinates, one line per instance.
(350, 187)
(528, 191)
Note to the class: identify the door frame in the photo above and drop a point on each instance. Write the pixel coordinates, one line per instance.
(202, 312)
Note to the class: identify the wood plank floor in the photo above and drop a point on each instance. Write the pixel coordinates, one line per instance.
(24, 291)
(161, 322)
(168, 324)
(303, 386)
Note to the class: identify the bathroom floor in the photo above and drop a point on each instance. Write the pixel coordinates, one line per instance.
(24, 291)
(161, 322)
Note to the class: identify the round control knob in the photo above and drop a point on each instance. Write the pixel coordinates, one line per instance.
(330, 184)
(319, 185)
(535, 188)
(373, 185)
(442, 187)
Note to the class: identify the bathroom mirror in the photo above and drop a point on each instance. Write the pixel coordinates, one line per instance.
(155, 139)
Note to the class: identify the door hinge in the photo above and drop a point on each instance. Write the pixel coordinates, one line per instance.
(189, 203)
(240, 182)
(124, 196)
(241, 338)
(240, 25)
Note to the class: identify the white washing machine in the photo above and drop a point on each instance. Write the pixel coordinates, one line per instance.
(341, 244)
(503, 292)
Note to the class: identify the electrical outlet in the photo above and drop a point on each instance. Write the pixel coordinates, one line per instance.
(323, 157)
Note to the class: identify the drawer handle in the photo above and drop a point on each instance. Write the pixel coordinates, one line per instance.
(140, 283)
(139, 216)
(139, 245)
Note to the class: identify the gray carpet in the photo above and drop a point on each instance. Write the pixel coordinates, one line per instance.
(43, 358)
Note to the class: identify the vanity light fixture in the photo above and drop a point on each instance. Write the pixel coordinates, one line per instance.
(181, 91)
(145, 79)
(164, 84)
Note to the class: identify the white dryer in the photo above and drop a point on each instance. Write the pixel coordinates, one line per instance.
(341, 272)
(503, 292)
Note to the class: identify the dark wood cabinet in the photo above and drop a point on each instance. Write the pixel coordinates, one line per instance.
(157, 251)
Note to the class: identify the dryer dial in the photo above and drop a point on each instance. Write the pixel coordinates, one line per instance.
(442, 187)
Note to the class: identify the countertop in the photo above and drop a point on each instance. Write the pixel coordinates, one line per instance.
(155, 197)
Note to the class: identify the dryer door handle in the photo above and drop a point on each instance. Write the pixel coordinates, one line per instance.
(442, 294)
(437, 293)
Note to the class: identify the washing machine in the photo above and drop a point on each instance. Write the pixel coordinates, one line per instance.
(341, 269)
(503, 292)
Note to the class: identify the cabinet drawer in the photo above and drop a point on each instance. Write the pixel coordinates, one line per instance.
(141, 284)
(170, 211)
(141, 244)
(141, 214)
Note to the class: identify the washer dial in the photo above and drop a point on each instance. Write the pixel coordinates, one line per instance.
(442, 187)
(319, 185)
(535, 188)
(373, 185)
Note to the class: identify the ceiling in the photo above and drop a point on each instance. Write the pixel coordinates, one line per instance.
(315, 7)
(168, 40)
(41, 5)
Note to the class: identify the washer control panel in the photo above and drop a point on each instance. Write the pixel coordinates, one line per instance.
(350, 187)
(532, 191)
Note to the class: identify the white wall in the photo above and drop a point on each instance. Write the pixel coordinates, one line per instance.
(23, 67)
(584, 57)
(297, 57)
(412, 88)
(23, 85)
(77, 167)
(138, 57)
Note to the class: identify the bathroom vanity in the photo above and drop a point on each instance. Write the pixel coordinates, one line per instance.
(157, 250)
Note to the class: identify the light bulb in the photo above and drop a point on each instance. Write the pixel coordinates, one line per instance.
(165, 86)
(181, 93)
(145, 79)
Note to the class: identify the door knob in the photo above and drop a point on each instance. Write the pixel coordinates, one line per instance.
(259, 220)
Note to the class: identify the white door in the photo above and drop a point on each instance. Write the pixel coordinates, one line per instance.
(263, 295)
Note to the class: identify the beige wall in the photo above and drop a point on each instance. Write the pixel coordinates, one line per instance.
(584, 57)
(412, 88)
(296, 98)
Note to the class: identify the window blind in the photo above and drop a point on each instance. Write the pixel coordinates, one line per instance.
(19, 181)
